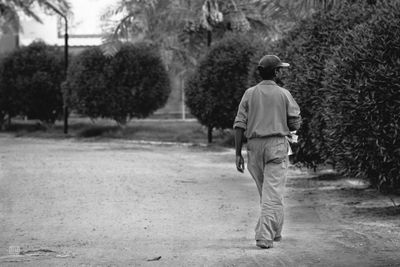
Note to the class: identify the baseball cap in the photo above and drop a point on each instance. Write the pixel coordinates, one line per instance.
(272, 62)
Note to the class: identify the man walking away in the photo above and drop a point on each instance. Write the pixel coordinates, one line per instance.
(267, 114)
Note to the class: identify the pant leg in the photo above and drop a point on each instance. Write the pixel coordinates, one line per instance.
(274, 180)
(255, 165)
(255, 162)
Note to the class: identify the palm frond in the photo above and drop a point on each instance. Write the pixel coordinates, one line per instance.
(110, 45)
(9, 9)
(9, 21)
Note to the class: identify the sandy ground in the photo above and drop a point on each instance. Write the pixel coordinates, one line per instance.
(120, 203)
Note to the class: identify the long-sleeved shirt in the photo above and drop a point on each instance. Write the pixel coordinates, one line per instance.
(267, 110)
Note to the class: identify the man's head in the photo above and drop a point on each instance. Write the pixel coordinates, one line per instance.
(269, 65)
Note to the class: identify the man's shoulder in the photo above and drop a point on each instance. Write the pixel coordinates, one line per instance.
(250, 89)
(283, 90)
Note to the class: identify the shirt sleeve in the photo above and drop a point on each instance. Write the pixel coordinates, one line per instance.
(241, 117)
(293, 113)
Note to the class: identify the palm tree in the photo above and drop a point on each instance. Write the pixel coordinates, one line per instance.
(179, 27)
(158, 20)
(9, 20)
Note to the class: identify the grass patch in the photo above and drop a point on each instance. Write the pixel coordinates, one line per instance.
(96, 131)
(183, 131)
(329, 177)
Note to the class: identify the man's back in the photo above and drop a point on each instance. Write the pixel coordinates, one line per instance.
(264, 110)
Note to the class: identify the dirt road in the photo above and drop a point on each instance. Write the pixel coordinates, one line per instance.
(120, 203)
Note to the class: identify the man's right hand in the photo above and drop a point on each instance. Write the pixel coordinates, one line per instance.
(239, 163)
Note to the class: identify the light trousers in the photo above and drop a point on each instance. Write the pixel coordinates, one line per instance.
(267, 164)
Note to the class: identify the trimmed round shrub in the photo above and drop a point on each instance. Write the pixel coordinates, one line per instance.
(138, 80)
(307, 48)
(31, 82)
(364, 99)
(132, 83)
(86, 83)
(214, 91)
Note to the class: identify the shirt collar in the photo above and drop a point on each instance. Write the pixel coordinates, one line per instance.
(267, 82)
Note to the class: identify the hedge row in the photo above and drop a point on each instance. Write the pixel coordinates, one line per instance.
(362, 80)
(344, 74)
(308, 47)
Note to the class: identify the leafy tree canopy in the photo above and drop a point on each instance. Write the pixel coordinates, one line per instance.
(131, 83)
(30, 82)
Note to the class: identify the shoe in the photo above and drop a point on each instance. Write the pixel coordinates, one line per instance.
(278, 238)
(264, 244)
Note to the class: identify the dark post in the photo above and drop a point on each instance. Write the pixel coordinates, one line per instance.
(209, 39)
(64, 16)
(209, 21)
(66, 69)
(209, 133)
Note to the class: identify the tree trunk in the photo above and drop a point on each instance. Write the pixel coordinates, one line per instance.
(65, 119)
(209, 38)
(209, 135)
